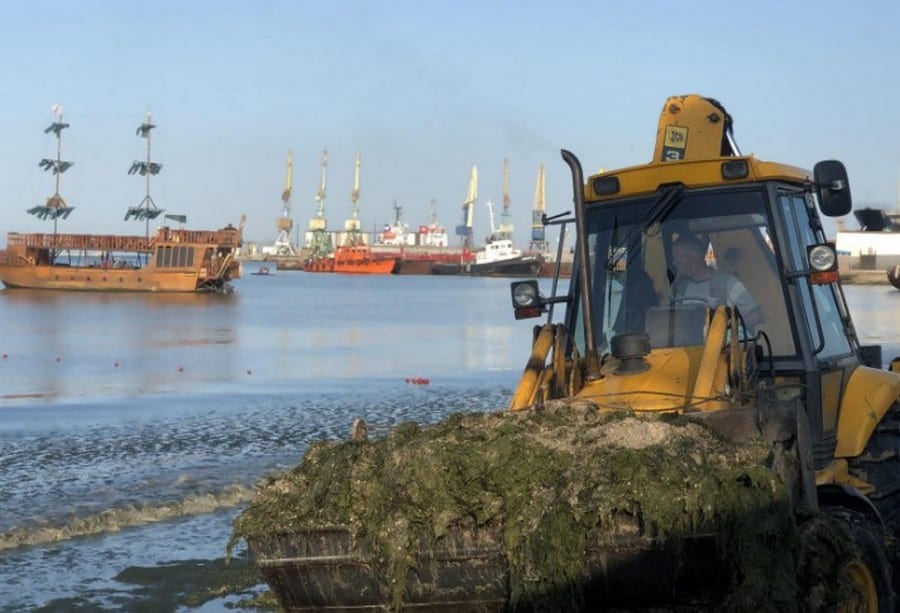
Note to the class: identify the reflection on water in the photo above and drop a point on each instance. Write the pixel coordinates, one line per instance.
(283, 328)
(273, 330)
(60, 344)
(37, 298)
(876, 315)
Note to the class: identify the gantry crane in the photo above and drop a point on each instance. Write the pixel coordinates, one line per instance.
(353, 235)
(284, 224)
(319, 243)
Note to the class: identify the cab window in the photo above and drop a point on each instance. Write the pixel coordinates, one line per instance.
(819, 302)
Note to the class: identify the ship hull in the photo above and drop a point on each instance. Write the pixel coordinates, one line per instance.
(422, 263)
(413, 267)
(548, 269)
(355, 260)
(181, 261)
(92, 279)
(376, 267)
(525, 266)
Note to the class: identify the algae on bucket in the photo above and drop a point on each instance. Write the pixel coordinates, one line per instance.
(549, 509)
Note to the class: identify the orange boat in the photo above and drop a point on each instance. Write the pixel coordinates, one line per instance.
(356, 259)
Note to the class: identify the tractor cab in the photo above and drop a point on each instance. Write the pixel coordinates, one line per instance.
(653, 265)
(704, 281)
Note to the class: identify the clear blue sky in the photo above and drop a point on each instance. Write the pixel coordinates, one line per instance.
(423, 90)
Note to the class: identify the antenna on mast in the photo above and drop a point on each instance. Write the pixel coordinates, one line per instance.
(55, 207)
(147, 209)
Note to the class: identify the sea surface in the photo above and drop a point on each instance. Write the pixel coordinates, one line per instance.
(133, 428)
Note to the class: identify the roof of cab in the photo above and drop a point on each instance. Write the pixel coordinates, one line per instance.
(647, 178)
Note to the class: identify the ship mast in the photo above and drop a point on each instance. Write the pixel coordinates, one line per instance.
(432, 212)
(538, 239)
(147, 209)
(320, 241)
(284, 224)
(352, 226)
(56, 206)
(465, 230)
(506, 228)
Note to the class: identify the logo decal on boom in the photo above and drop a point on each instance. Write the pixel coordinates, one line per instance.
(674, 143)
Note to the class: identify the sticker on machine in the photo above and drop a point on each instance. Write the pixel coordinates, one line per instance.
(674, 143)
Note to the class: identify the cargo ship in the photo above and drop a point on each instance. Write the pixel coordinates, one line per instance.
(416, 252)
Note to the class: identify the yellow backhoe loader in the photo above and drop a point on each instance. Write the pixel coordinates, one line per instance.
(704, 294)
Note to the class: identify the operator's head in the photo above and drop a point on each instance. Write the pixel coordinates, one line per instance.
(689, 254)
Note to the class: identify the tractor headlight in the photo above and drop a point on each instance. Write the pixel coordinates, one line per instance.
(822, 258)
(525, 294)
(823, 264)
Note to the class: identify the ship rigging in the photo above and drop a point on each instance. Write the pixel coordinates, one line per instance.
(55, 207)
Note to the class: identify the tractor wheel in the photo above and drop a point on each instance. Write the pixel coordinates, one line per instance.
(869, 573)
(844, 566)
(879, 465)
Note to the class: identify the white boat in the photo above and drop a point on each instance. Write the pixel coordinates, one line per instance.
(498, 258)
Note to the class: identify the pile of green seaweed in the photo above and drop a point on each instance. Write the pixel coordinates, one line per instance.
(556, 482)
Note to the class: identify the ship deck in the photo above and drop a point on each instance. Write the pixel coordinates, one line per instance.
(119, 242)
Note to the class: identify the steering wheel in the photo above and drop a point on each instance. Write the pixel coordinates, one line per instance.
(691, 300)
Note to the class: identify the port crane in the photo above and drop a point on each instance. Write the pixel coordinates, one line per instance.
(465, 229)
(319, 241)
(505, 230)
(538, 242)
(353, 235)
(284, 224)
(55, 207)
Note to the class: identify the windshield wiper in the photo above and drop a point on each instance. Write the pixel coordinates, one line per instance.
(659, 210)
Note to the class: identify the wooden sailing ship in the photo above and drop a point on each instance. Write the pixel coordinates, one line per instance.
(171, 260)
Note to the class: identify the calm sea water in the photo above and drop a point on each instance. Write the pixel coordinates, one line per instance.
(133, 428)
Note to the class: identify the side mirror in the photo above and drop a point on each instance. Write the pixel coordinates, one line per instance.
(833, 188)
